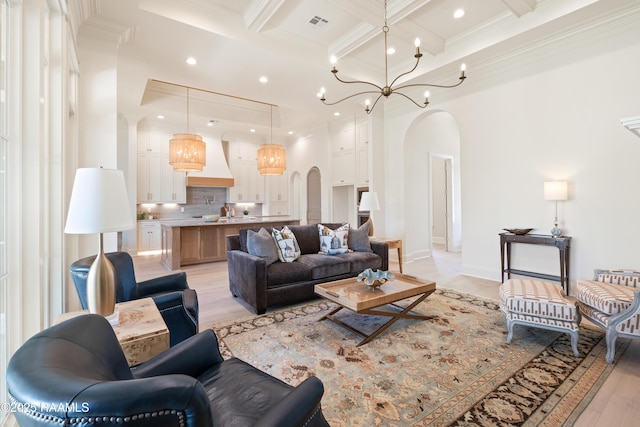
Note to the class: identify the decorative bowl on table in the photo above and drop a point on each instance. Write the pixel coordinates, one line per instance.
(210, 218)
(518, 231)
(374, 279)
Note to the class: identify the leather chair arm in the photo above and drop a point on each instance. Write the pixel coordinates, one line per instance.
(138, 399)
(297, 408)
(191, 357)
(179, 310)
(168, 283)
(381, 249)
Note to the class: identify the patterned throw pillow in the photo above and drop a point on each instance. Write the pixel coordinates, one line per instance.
(289, 250)
(333, 242)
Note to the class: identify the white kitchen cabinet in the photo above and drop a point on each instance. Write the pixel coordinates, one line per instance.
(362, 154)
(149, 236)
(278, 187)
(362, 133)
(150, 177)
(362, 166)
(153, 142)
(157, 181)
(344, 140)
(174, 184)
(278, 208)
(343, 168)
(248, 183)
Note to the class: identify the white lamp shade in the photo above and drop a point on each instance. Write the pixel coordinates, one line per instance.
(99, 202)
(369, 201)
(555, 190)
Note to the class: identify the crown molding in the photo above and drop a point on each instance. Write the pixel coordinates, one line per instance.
(632, 123)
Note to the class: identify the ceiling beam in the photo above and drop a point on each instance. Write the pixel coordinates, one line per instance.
(259, 13)
(520, 7)
(371, 24)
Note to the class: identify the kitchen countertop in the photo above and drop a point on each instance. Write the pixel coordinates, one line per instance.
(194, 222)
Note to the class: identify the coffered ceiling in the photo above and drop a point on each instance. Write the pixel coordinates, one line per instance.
(235, 42)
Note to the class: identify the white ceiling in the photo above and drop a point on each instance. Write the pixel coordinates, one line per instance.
(237, 41)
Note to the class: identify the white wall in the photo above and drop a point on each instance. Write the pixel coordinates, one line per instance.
(302, 155)
(552, 114)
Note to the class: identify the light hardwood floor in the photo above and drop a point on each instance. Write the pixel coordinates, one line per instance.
(616, 403)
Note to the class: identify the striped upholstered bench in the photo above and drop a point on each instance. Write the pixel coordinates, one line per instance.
(612, 301)
(539, 304)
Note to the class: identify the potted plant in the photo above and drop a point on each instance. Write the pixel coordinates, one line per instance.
(245, 212)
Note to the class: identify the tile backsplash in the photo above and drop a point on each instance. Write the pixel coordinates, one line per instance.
(200, 201)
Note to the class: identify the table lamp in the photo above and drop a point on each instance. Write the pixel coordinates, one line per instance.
(369, 202)
(99, 204)
(555, 190)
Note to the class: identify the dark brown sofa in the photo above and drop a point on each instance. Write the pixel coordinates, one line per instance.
(282, 283)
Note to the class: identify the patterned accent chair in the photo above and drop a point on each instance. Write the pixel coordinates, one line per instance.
(612, 301)
(541, 305)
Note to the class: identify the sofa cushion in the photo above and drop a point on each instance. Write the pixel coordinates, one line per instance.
(608, 298)
(286, 273)
(323, 266)
(307, 236)
(360, 261)
(261, 244)
(286, 242)
(239, 394)
(359, 238)
(334, 242)
(536, 299)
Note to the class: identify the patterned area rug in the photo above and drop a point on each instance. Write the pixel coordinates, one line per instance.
(453, 370)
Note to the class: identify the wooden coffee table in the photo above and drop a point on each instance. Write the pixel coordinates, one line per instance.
(361, 299)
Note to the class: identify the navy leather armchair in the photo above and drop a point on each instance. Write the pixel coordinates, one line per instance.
(75, 373)
(177, 303)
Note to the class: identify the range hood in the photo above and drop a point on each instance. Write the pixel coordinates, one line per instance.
(216, 172)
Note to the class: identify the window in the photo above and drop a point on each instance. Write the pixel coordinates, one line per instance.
(4, 32)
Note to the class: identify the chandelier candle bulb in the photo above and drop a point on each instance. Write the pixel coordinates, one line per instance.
(463, 67)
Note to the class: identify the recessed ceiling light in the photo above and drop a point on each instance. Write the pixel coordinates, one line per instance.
(459, 13)
(252, 130)
(337, 113)
(290, 132)
(263, 79)
(160, 116)
(391, 51)
(191, 61)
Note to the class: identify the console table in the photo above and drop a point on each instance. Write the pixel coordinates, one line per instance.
(562, 243)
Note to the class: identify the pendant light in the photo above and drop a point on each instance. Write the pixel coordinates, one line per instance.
(272, 158)
(187, 152)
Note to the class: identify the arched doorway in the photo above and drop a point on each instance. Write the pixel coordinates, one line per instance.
(314, 200)
(432, 175)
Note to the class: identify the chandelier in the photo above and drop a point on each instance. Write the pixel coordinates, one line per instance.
(388, 89)
(272, 158)
(187, 152)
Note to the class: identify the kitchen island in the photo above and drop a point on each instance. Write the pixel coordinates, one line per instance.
(194, 241)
